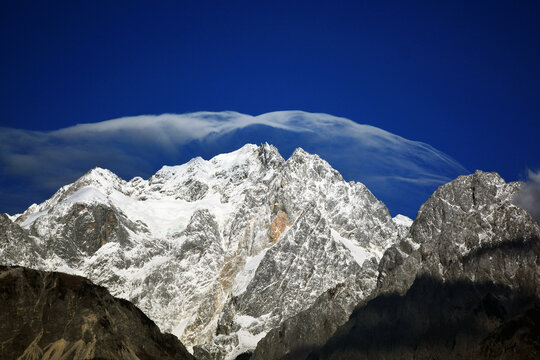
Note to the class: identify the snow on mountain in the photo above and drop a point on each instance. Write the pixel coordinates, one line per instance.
(216, 251)
(402, 220)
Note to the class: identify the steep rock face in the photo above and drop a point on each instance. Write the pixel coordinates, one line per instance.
(218, 251)
(298, 336)
(85, 228)
(58, 316)
(468, 268)
(287, 280)
(349, 207)
(17, 247)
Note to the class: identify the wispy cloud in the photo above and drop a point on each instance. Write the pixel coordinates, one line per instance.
(528, 197)
(43, 161)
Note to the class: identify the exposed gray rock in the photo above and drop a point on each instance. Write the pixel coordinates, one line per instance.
(16, 246)
(457, 234)
(299, 335)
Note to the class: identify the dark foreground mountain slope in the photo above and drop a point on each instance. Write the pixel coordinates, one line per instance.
(50, 315)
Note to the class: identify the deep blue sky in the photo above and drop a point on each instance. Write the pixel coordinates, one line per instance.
(462, 76)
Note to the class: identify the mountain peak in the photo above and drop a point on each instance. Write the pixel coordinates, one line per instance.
(299, 152)
(270, 155)
(402, 220)
(474, 190)
(100, 176)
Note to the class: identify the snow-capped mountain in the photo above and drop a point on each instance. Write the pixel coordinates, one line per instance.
(400, 171)
(218, 251)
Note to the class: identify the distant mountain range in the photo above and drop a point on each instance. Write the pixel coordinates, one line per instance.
(251, 255)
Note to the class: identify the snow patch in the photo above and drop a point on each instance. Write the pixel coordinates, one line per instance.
(247, 341)
(245, 276)
(31, 218)
(358, 253)
(87, 194)
(415, 246)
(402, 220)
(165, 217)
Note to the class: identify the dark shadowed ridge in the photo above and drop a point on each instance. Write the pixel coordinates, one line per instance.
(441, 321)
(50, 315)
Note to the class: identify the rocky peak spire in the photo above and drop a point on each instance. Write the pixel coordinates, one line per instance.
(270, 156)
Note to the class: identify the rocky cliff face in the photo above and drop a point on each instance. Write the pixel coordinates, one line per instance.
(17, 246)
(298, 336)
(466, 277)
(48, 315)
(219, 251)
(468, 229)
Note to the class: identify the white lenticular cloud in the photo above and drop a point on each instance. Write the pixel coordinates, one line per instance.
(400, 172)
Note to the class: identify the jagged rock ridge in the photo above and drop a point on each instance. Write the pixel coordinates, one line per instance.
(464, 282)
(216, 251)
